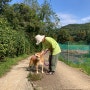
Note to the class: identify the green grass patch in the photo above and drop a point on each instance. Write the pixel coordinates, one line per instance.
(6, 65)
(85, 66)
(34, 77)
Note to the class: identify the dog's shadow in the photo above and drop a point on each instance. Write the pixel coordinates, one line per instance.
(33, 69)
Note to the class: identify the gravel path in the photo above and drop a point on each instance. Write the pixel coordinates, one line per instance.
(16, 79)
(65, 78)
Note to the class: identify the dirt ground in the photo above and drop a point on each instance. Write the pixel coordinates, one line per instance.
(16, 79)
(65, 78)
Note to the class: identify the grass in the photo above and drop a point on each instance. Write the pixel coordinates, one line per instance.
(85, 66)
(34, 77)
(6, 65)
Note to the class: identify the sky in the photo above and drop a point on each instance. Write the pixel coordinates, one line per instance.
(69, 11)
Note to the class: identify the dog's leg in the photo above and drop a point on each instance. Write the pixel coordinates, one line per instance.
(30, 66)
(37, 69)
(42, 69)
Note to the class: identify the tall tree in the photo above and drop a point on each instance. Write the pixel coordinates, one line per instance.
(47, 16)
(33, 4)
(3, 3)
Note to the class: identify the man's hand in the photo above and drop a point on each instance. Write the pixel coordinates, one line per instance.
(45, 51)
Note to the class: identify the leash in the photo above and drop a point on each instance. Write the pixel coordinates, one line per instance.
(46, 64)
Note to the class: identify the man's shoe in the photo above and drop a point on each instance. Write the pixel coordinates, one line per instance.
(50, 72)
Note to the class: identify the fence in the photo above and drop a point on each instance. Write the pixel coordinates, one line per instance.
(78, 55)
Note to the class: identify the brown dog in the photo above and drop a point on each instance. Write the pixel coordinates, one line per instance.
(36, 60)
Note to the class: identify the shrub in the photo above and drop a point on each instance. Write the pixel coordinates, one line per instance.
(12, 43)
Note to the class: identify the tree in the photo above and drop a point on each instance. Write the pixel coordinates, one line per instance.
(33, 4)
(3, 3)
(12, 43)
(48, 18)
(88, 38)
(63, 36)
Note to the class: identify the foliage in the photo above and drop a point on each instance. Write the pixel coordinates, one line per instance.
(12, 43)
(88, 38)
(77, 33)
(29, 20)
(32, 18)
(48, 18)
(63, 36)
(3, 3)
(21, 17)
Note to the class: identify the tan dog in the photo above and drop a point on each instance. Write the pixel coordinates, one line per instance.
(36, 60)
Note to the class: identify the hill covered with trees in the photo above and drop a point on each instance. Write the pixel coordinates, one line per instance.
(79, 33)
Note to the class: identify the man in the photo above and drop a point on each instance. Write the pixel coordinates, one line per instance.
(49, 44)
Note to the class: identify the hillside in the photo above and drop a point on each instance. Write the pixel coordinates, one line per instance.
(85, 26)
(75, 33)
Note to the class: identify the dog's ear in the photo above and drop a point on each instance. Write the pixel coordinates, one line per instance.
(42, 52)
(37, 55)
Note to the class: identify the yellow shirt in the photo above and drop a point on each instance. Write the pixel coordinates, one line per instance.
(51, 44)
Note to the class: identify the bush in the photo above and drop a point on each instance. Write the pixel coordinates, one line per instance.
(12, 43)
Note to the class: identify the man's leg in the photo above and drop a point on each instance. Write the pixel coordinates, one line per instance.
(54, 62)
(50, 58)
